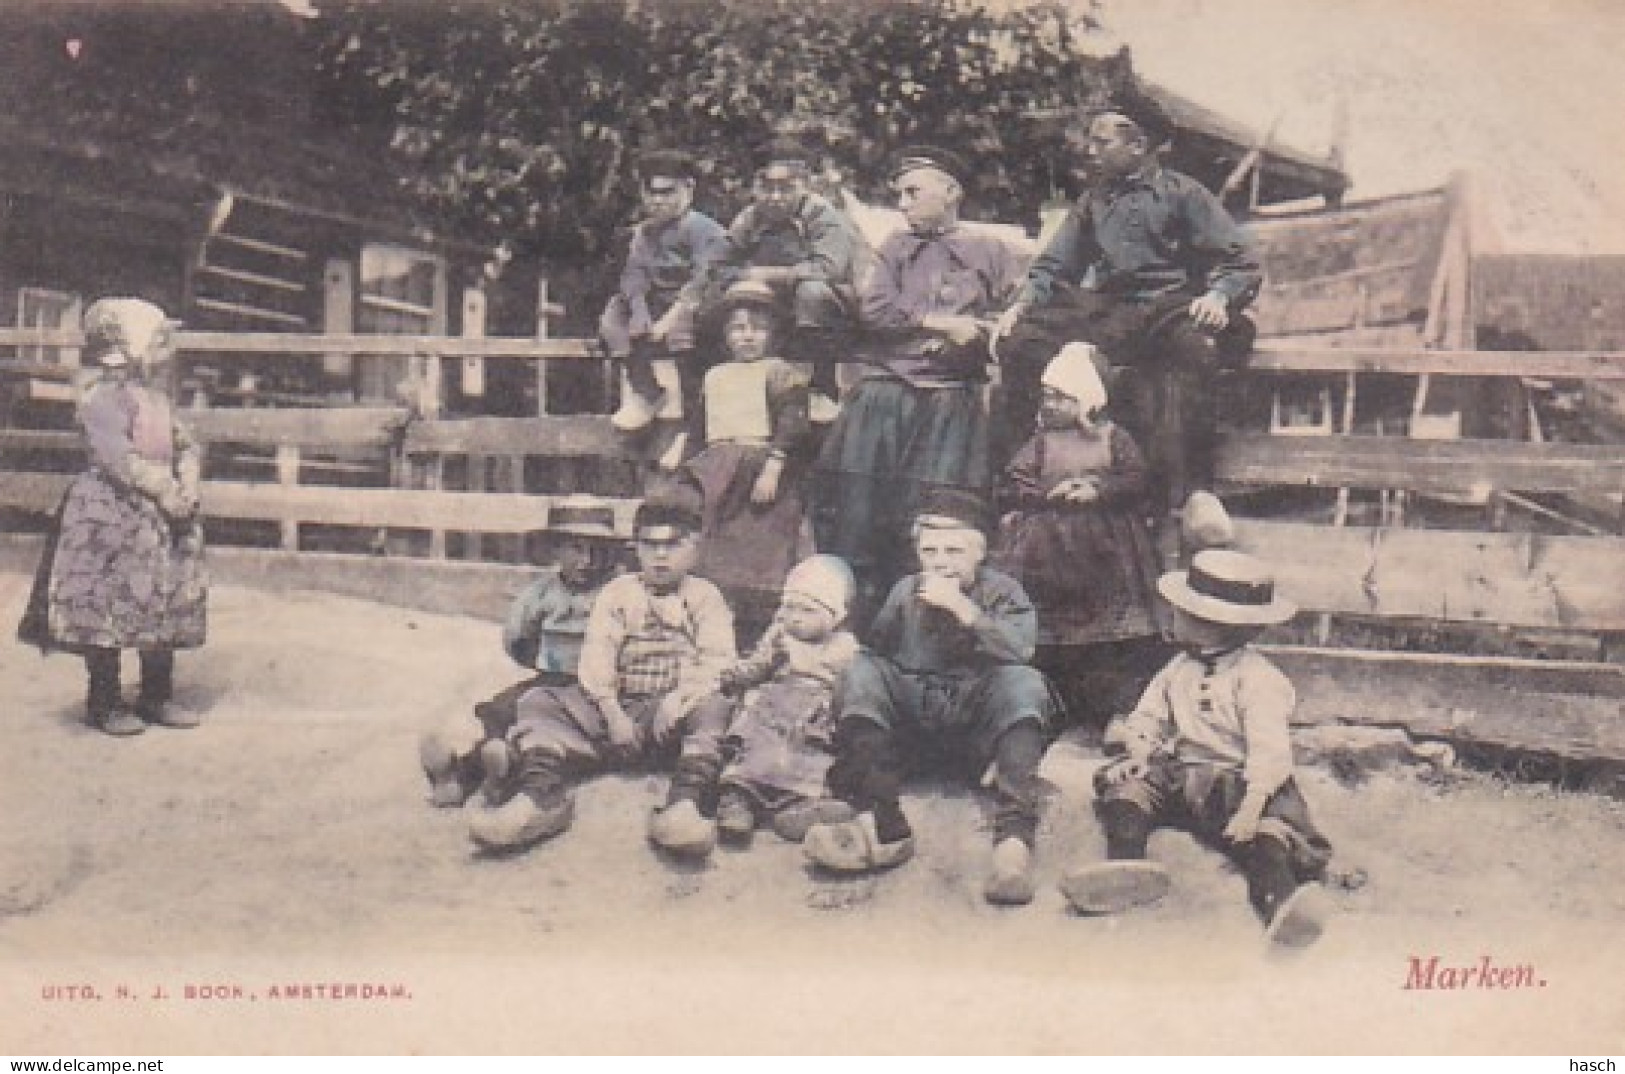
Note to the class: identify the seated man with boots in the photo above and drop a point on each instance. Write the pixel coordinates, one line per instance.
(1149, 267)
(652, 313)
(945, 675)
(657, 642)
(808, 251)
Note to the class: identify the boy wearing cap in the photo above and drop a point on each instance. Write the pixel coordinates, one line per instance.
(656, 642)
(1150, 267)
(807, 250)
(945, 674)
(1208, 750)
(773, 720)
(917, 419)
(673, 250)
(542, 633)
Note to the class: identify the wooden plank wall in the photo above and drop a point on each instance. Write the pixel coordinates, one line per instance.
(1571, 583)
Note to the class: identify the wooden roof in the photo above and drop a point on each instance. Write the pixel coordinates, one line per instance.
(1210, 146)
(1369, 267)
(1550, 302)
(157, 110)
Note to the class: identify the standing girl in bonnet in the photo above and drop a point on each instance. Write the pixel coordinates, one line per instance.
(123, 568)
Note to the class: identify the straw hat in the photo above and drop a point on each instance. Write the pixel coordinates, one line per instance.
(1227, 587)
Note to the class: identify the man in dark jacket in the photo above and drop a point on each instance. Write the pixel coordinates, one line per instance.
(1150, 267)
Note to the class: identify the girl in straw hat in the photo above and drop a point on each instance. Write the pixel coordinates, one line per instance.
(1207, 750)
(124, 566)
(1074, 531)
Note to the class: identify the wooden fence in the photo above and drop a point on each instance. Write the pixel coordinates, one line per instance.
(487, 480)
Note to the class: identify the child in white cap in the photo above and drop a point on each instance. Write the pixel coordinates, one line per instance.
(773, 722)
(1074, 531)
(1207, 750)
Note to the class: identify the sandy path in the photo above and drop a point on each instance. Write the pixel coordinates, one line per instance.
(288, 842)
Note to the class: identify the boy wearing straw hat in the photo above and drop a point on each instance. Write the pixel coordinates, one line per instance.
(656, 643)
(543, 633)
(1208, 750)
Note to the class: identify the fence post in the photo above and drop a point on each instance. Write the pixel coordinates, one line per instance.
(544, 311)
(473, 379)
(287, 475)
(338, 314)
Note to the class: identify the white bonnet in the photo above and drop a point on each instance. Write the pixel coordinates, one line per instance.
(119, 329)
(826, 580)
(1073, 371)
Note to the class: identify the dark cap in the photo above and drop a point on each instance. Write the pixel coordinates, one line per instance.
(952, 507)
(671, 511)
(789, 151)
(1145, 112)
(666, 164)
(911, 158)
(747, 294)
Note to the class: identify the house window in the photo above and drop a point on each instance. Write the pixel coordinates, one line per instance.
(402, 293)
(38, 307)
(402, 290)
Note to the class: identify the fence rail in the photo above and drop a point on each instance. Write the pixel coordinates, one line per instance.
(1515, 580)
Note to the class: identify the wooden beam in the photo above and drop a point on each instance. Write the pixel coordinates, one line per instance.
(26, 440)
(227, 343)
(575, 436)
(464, 512)
(1558, 365)
(310, 427)
(1511, 579)
(1431, 466)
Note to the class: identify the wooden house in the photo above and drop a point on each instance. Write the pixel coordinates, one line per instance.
(180, 153)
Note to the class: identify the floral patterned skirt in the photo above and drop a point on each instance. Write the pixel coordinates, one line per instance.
(117, 575)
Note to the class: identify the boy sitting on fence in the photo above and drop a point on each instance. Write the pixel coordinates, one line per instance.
(543, 634)
(672, 253)
(656, 642)
(1207, 750)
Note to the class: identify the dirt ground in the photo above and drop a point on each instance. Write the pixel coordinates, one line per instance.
(287, 845)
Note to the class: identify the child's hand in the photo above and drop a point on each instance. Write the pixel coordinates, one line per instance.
(1076, 490)
(673, 456)
(945, 593)
(662, 328)
(959, 329)
(1244, 825)
(766, 488)
(1125, 768)
(619, 728)
(669, 715)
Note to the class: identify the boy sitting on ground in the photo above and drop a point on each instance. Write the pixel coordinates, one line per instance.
(945, 674)
(656, 642)
(543, 634)
(775, 710)
(1207, 750)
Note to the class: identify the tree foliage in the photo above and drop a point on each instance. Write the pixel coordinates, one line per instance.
(521, 122)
